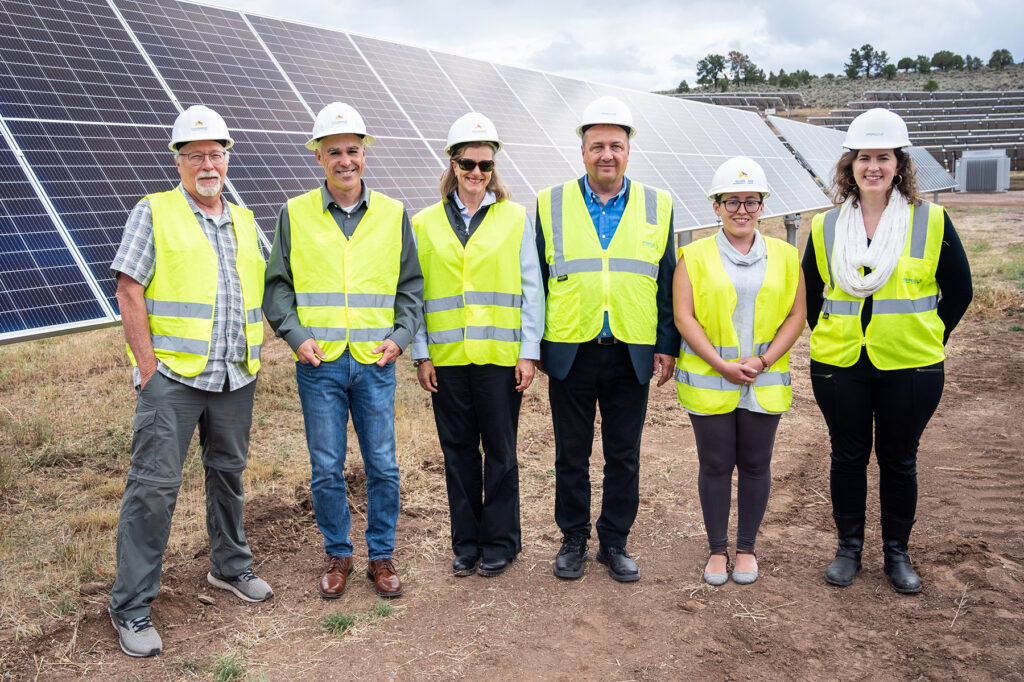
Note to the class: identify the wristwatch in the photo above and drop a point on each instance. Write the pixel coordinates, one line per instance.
(417, 363)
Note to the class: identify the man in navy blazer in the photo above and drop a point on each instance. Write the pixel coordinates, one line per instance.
(628, 281)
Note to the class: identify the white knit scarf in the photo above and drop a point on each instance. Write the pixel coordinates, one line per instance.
(852, 252)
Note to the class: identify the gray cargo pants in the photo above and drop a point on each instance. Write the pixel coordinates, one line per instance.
(165, 419)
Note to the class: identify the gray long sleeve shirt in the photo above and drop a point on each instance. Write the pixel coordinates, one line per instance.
(279, 296)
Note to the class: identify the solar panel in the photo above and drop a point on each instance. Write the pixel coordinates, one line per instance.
(94, 174)
(210, 56)
(41, 285)
(820, 149)
(325, 66)
(74, 61)
(89, 88)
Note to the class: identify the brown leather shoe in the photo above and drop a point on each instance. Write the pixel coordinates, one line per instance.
(332, 583)
(385, 578)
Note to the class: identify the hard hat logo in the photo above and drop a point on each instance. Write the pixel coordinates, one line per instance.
(478, 128)
(340, 118)
(743, 174)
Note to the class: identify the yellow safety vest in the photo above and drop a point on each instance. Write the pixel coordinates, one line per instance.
(586, 281)
(905, 329)
(702, 389)
(472, 294)
(345, 288)
(183, 292)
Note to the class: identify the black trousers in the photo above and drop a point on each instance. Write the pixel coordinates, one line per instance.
(899, 404)
(474, 404)
(601, 376)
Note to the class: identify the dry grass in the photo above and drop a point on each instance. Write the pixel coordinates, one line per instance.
(66, 406)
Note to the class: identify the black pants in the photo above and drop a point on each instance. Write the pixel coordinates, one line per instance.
(899, 403)
(601, 376)
(741, 440)
(477, 403)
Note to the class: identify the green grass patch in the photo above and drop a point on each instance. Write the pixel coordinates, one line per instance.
(1016, 328)
(227, 668)
(338, 623)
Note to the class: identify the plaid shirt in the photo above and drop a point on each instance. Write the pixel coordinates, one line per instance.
(136, 258)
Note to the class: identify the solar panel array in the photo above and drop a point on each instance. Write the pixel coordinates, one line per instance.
(821, 147)
(89, 90)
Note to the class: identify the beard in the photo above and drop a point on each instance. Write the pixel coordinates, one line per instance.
(208, 189)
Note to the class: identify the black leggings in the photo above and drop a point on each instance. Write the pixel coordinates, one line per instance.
(743, 440)
(899, 404)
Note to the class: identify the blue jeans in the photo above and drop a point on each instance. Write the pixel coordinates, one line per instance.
(328, 393)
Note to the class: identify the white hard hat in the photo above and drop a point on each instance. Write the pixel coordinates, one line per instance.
(606, 110)
(338, 119)
(739, 174)
(471, 127)
(199, 123)
(877, 129)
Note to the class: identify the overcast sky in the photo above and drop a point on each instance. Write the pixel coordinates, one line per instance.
(653, 44)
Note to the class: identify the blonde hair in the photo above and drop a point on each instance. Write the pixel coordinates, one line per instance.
(844, 185)
(450, 182)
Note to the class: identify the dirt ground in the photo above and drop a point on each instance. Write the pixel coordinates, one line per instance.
(967, 624)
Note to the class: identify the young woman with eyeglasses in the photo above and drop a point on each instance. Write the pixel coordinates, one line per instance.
(887, 281)
(484, 310)
(739, 305)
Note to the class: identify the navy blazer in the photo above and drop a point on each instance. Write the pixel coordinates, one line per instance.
(556, 358)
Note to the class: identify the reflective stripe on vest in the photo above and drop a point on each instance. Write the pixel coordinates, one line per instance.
(905, 330)
(586, 281)
(700, 388)
(345, 288)
(472, 292)
(180, 298)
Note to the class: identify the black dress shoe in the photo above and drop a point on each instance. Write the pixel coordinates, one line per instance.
(620, 565)
(569, 562)
(492, 567)
(463, 566)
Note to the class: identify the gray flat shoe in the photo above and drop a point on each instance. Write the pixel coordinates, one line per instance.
(717, 579)
(744, 577)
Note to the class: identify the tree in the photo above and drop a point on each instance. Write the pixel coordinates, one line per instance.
(924, 65)
(1000, 58)
(723, 84)
(972, 63)
(907, 64)
(879, 60)
(867, 58)
(683, 86)
(889, 71)
(754, 75)
(710, 68)
(943, 60)
(738, 63)
(931, 86)
(853, 66)
(958, 63)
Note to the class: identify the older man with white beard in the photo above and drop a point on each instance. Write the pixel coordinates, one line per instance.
(189, 286)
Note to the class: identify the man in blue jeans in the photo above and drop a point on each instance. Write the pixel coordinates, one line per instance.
(344, 289)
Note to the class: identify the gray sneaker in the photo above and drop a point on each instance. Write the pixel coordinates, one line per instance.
(137, 636)
(247, 586)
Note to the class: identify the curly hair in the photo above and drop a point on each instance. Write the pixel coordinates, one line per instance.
(450, 183)
(844, 185)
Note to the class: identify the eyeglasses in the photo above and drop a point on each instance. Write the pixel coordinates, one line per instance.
(469, 164)
(733, 205)
(196, 158)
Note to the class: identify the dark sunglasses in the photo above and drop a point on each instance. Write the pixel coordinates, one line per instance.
(469, 164)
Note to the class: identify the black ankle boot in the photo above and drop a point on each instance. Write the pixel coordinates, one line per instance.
(845, 566)
(895, 537)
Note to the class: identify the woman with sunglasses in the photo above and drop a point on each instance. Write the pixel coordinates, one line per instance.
(484, 310)
(739, 305)
(875, 269)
